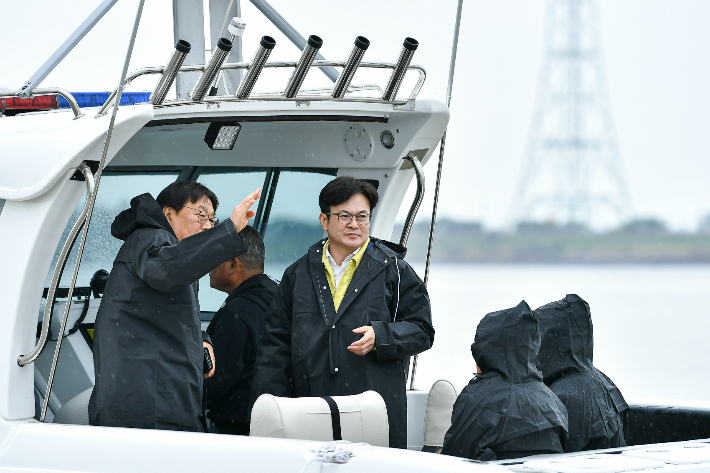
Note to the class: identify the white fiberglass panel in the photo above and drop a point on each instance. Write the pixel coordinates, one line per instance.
(37, 149)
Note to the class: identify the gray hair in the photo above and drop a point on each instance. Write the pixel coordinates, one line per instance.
(253, 258)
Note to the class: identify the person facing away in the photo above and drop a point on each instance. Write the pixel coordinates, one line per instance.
(148, 346)
(594, 403)
(234, 331)
(506, 411)
(347, 315)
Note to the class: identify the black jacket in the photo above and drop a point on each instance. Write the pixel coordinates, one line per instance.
(593, 402)
(147, 339)
(234, 331)
(303, 347)
(507, 411)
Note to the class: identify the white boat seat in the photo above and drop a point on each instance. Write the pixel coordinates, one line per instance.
(76, 410)
(362, 418)
(437, 417)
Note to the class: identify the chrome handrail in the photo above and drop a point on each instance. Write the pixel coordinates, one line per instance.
(409, 222)
(278, 64)
(411, 215)
(24, 360)
(50, 91)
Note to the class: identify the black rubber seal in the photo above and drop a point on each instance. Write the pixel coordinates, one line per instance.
(183, 46)
(315, 41)
(334, 417)
(267, 42)
(411, 44)
(362, 43)
(224, 44)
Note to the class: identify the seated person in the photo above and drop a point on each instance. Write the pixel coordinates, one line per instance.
(593, 402)
(234, 331)
(506, 411)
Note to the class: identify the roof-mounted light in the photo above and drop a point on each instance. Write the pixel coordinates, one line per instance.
(222, 135)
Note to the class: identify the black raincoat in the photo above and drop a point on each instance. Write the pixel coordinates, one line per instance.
(593, 402)
(147, 341)
(506, 411)
(303, 347)
(234, 331)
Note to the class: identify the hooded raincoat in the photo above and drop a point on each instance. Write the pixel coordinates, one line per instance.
(593, 401)
(303, 346)
(148, 352)
(506, 411)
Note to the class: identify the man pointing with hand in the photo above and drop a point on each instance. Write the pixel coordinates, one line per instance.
(148, 346)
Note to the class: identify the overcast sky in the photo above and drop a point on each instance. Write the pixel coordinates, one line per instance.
(655, 53)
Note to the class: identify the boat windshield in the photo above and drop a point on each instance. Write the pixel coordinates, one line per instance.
(287, 216)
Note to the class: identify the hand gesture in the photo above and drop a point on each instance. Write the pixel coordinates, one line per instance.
(241, 213)
(366, 343)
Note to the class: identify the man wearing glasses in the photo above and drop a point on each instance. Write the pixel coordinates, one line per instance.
(347, 315)
(148, 346)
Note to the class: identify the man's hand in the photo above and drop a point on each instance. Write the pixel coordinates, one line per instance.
(366, 343)
(241, 213)
(214, 362)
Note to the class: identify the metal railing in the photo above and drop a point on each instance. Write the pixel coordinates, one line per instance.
(50, 91)
(271, 97)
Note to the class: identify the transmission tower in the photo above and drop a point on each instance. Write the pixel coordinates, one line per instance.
(572, 172)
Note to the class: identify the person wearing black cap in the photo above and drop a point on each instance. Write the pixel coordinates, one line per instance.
(506, 411)
(594, 403)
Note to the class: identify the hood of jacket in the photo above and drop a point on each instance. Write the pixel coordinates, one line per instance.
(144, 212)
(567, 337)
(508, 341)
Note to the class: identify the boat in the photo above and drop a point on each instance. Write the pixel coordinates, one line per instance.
(289, 143)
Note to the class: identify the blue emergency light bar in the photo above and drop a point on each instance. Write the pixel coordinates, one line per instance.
(97, 99)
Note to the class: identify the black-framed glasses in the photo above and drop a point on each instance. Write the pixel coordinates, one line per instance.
(346, 217)
(202, 216)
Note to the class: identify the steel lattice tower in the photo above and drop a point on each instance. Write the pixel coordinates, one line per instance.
(572, 172)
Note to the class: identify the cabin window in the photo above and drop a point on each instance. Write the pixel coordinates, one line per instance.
(293, 224)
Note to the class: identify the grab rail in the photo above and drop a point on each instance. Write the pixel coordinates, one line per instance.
(50, 91)
(281, 64)
(24, 360)
(411, 215)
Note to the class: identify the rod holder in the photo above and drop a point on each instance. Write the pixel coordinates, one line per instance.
(170, 72)
(219, 54)
(266, 45)
(400, 69)
(303, 66)
(348, 72)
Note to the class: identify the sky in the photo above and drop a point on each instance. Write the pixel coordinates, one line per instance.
(654, 53)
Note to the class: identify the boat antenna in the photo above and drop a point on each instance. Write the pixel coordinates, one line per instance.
(91, 198)
(452, 66)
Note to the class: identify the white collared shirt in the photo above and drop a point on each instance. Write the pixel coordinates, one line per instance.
(338, 271)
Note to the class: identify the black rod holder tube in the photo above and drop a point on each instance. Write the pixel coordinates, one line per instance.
(266, 45)
(348, 72)
(304, 65)
(400, 69)
(219, 54)
(170, 72)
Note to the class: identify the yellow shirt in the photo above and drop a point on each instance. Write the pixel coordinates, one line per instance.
(339, 293)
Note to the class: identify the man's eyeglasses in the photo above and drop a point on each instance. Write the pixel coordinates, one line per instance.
(345, 218)
(202, 216)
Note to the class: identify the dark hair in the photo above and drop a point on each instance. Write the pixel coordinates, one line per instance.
(179, 193)
(342, 188)
(253, 258)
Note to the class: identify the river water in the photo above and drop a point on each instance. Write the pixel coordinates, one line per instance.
(651, 323)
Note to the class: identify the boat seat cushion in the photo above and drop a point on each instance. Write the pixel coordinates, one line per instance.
(363, 418)
(437, 417)
(76, 410)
